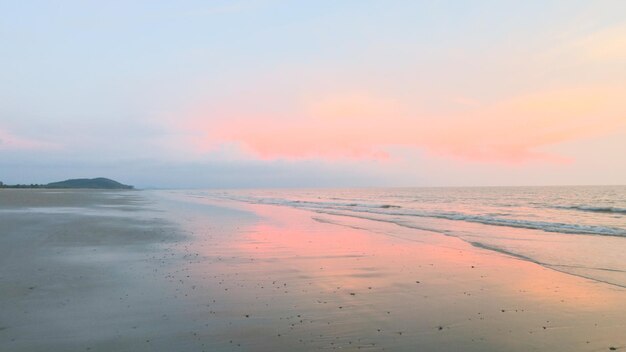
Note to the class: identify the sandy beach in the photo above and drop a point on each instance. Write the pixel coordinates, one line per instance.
(162, 271)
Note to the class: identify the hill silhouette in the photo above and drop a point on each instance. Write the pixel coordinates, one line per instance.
(92, 183)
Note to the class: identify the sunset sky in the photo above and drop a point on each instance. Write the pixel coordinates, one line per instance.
(318, 93)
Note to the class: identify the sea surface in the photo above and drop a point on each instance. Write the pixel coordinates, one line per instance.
(580, 230)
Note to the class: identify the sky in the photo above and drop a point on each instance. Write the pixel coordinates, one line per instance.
(241, 94)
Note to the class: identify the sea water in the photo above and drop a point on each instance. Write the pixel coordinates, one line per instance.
(580, 230)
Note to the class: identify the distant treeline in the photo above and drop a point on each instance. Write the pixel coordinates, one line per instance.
(32, 185)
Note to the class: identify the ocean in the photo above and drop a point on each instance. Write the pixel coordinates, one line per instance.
(580, 230)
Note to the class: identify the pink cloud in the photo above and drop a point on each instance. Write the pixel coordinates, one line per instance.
(10, 141)
(358, 125)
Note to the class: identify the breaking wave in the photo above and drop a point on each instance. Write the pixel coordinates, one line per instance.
(594, 209)
(348, 209)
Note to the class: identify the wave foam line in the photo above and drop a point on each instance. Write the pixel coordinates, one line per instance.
(394, 210)
(594, 209)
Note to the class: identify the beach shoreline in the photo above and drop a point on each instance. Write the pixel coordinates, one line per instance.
(160, 270)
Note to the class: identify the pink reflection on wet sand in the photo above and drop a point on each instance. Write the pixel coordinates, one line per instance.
(361, 254)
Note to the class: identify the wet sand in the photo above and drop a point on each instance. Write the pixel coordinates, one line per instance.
(159, 271)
